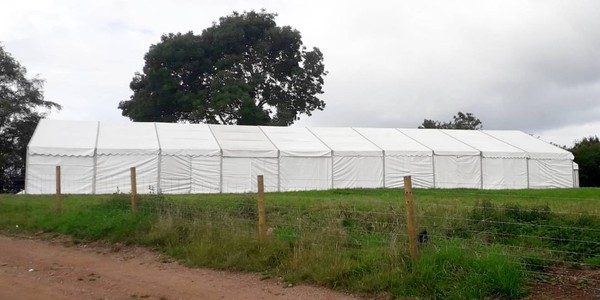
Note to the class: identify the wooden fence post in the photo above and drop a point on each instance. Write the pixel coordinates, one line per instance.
(410, 217)
(58, 197)
(262, 230)
(133, 191)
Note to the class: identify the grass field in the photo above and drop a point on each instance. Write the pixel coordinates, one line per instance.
(481, 244)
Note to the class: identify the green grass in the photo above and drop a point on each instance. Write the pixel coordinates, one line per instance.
(353, 240)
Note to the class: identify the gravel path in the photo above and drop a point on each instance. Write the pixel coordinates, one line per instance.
(32, 268)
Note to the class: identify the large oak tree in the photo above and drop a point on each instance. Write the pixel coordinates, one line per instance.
(242, 70)
(22, 105)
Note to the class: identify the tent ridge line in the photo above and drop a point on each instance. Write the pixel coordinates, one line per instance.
(416, 141)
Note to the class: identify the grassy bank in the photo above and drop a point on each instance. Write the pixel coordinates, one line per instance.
(481, 244)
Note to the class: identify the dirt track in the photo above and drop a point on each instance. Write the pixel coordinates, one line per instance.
(39, 269)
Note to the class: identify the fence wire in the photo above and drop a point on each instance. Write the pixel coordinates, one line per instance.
(553, 235)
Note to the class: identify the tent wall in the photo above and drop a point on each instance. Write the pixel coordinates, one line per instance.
(575, 175)
(68, 144)
(455, 164)
(113, 173)
(305, 173)
(190, 159)
(122, 146)
(239, 174)
(550, 173)
(420, 168)
(504, 173)
(457, 171)
(503, 166)
(547, 164)
(403, 156)
(304, 161)
(247, 153)
(96, 157)
(356, 163)
(76, 174)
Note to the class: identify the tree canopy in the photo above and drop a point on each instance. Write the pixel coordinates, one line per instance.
(242, 70)
(22, 105)
(460, 121)
(587, 156)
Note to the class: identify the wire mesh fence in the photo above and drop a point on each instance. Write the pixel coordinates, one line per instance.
(553, 235)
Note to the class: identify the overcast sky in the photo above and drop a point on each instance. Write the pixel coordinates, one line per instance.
(527, 65)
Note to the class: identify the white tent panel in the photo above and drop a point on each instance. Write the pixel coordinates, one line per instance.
(247, 153)
(206, 174)
(357, 163)
(68, 144)
(346, 141)
(457, 171)
(357, 172)
(305, 173)
(76, 174)
(575, 175)
(243, 141)
(504, 173)
(187, 140)
(175, 174)
(420, 168)
(304, 162)
(487, 145)
(456, 165)
(296, 142)
(190, 174)
(547, 163)
(240, 174)
(503, 166)
(127, 139)
(403, 157)
(535, 148)
(190, 159)
(113, 173)
(122, 146)
(550, 173)
(394, 142)
(440, 143)
(64, 138)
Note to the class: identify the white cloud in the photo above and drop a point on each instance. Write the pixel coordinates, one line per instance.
(527, 65)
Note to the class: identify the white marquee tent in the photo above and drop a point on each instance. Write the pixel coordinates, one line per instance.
(96, 157)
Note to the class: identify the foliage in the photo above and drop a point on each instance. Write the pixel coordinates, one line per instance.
(243, 70)
(22, 105)
(575, 237)
(353, 240)
(587, 156)
(453, 271)
(461, 121)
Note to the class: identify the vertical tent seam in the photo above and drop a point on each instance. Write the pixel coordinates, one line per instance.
(432, 154)
(221, 167)
(278, 158)
(158, 191)
(382, 152)
(95, 159)
(318, 138)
